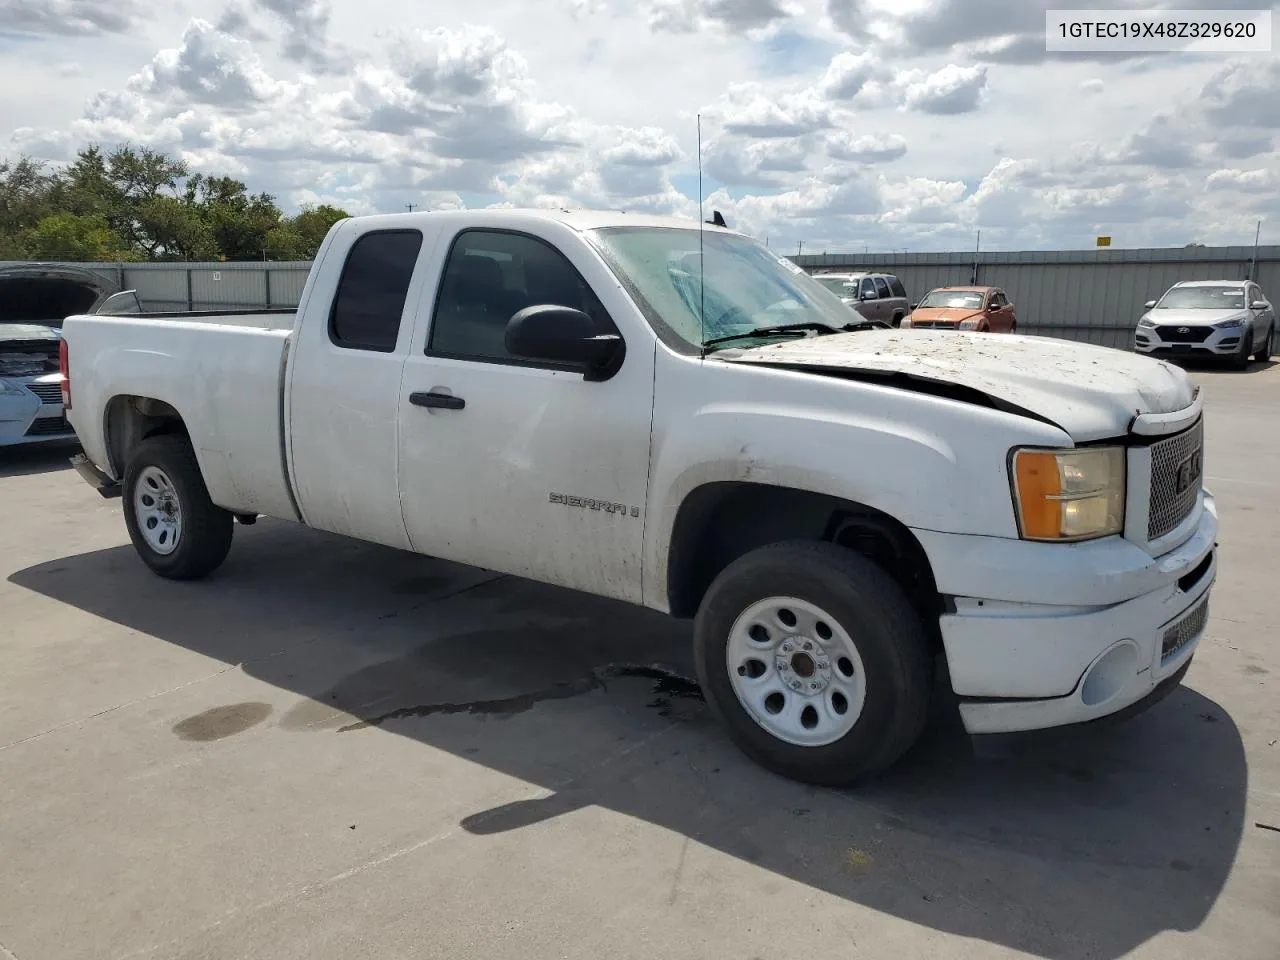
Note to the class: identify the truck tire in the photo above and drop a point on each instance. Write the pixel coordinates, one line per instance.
(176, 529)
(815, 661)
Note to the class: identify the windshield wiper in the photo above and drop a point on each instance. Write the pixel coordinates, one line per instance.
(809, 326)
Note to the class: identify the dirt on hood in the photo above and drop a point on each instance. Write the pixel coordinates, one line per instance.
(1091, 392)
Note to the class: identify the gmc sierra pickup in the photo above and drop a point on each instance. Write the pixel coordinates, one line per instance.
(673, 416)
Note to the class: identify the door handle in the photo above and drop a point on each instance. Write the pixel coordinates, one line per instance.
(444, 401)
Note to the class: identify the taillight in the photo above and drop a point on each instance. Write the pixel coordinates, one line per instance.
(64, 368)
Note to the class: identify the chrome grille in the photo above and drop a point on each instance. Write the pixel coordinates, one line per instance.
(47, 392)
(1184, 631)
(1177, 475)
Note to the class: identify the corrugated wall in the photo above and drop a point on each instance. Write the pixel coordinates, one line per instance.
(1090, 295)
(207, 286)
(1094, 296)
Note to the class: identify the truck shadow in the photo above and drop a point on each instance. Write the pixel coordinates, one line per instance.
(1069, 844)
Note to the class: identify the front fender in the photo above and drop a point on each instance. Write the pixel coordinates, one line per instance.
(930, 463)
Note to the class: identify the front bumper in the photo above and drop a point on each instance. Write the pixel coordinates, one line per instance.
(1029, 665)
(1167, 341)
(31, 411)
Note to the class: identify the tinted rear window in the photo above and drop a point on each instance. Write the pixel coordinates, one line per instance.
(371, 294)
(896, 286)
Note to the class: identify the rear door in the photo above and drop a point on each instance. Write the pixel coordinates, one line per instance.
(885, 302)
(519, 466)
(344, 381)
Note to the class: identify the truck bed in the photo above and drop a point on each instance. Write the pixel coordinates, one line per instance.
(221, 371)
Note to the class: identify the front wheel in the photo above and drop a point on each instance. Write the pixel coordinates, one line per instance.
(1241, 360)
(176, 529)
(1265, 351)
(815, 661)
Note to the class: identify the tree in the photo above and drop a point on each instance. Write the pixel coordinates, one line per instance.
(25, 189)
(240, 222)
(69, 236)
(138, 203)
(299, 238)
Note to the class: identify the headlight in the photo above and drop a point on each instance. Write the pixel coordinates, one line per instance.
(1146, 322)
(970, 324)
(1228, 324)
(1069, 494)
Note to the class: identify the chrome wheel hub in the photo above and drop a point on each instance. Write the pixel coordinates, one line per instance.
(158, 510)
(796, 670)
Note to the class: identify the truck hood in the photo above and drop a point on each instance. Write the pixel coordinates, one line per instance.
(1092, 393)
(1193, 318)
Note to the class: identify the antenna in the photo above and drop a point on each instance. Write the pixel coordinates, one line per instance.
(411, 206)
(702, 267)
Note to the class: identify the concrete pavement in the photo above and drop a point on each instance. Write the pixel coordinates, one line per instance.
(333, 750)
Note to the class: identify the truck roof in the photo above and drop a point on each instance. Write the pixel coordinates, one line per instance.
(581, 220)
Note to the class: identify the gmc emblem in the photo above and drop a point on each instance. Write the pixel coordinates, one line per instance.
(1188, 473)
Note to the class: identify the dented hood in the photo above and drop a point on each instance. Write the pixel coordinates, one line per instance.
(1091, 392)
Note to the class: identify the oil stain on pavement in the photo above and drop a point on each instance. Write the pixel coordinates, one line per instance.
(222, 722)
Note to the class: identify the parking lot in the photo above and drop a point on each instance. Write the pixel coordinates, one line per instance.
(334, 750)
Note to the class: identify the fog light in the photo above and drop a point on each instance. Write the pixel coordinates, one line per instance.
(1110, 673)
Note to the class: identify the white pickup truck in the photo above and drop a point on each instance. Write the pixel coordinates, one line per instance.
(673, 416)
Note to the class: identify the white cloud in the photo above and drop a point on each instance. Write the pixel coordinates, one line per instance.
(68, 17)
(740, 16)
(751, 109)
(1250, 181)
(867, 148)
(1245, 93)
(913, 127)
(952, 89)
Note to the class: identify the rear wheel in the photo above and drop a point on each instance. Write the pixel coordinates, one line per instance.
(176, 529)
(815, 661)
(1264, 352)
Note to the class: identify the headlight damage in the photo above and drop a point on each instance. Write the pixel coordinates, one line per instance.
(1069, 494)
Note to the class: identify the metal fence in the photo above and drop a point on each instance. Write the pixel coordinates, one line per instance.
(1090, 295)
(1094, 296)
(207, 286)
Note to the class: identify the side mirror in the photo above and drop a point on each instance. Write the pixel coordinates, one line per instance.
(564, 335)
(1259, 305)
(1150, 304)
(914, 305)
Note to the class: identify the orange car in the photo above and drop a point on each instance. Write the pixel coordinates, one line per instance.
(964, 308)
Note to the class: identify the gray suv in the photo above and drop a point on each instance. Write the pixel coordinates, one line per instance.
(876, 296)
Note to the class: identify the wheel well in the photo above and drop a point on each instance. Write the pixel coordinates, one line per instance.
(720, 522)
(130, 420)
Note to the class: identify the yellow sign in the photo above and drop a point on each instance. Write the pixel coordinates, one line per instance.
(1104, 241)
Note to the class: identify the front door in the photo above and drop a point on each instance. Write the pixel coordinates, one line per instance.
(521, 467)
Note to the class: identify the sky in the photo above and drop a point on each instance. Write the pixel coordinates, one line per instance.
(842, 125)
